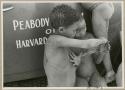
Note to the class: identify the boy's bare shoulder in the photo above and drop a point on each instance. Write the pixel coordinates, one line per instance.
(55, 37)
(56, 40)
(52, 41)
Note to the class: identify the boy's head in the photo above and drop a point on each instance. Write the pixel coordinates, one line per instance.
(67, 21)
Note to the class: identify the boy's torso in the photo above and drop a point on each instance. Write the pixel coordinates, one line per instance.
(57, 56)
(87, 65)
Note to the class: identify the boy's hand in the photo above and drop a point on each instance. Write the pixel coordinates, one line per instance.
(75, 60)
(102, 50)
(97, 42)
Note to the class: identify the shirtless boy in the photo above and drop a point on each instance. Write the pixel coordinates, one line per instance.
(86, 73)
(58, 68)
(101, 14)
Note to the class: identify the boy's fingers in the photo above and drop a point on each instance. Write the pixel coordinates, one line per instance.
(74, 65)
(96, 42)
(71, 61)
(72, 54)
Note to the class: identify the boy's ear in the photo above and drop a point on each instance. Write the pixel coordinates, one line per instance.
(61, 29)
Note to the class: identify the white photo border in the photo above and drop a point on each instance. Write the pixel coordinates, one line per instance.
(47, 88)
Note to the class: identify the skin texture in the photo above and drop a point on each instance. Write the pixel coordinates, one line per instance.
(59, 70)
(86, 73)
(100, 27)
(101, 14)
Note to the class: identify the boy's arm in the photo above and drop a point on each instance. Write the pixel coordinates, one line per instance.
(62, 41)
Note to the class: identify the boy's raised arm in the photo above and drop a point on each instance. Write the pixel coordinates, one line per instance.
(62, 41)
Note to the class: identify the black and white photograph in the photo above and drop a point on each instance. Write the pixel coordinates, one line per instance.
(71, 44)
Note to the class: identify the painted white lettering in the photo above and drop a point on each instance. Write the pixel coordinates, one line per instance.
(40, 41)
(32, 23)
(15, 24)
(42, 22)
(21, 25)
(27, 43)
(27, 25)
(36, 42)
(23, 44)
(37, 23)
(47, 21)
(18, 43)
(44, 40)
(32, 42)
(48, 31)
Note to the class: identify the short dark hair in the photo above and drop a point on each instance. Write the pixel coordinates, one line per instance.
(63, 15)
